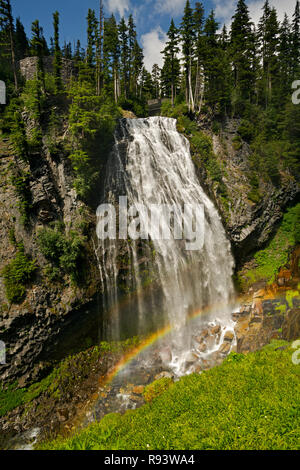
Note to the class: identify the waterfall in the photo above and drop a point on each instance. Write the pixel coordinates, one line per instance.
(149, 284)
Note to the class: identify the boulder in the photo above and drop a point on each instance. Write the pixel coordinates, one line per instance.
(138, 390)
(229, 336)
(225, 348)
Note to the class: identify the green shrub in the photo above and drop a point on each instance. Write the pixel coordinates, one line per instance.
(237, 143)
(17, 275)
(254, 195)
(33, 99)
(65, 252)
(176, 112)
(186, 126)
(202, 147)
(246, 130)
(216, 127)
(51, 243)
(202, 144)
(20, 182)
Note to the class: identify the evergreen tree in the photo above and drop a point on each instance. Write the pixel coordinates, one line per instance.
(147, 89)
(21, 41)
(224, 38)
(92, 30)
(137, 64)
(99, 54)
(57, 63)
(262, 31)
(7, 26)
(156, 73)
(67, 51)
(242, 44)
(285, 59)
(216, 76)
(172, 65)
(132, 36)
(188, 37)
(124, 47)
(269, 35)
(200, 47)
(51, 48)
(78, 56)
(37, 47)
(296, 42)
(111, 54)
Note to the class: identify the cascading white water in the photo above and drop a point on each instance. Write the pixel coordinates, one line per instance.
(151, 164)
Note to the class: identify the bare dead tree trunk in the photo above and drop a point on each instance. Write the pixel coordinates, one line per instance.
(191, 97)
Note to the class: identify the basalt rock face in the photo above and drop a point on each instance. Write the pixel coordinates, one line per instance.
(54, 317)
(249, 225)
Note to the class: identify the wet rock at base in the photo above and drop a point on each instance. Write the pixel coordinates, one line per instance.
(225, 348)
(216, 330)
(138, 390)
(229, 337)
(163, 375)
(202, 348)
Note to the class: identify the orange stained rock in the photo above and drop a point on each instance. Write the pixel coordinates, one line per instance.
(139, 390)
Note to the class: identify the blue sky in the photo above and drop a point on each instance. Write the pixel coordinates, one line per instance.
(152, 17)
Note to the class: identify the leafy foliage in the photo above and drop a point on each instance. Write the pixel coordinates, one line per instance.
(65, 252)
(20, 182)
(17, 275)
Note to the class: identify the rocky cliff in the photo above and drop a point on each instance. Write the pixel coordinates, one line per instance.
(39, 330)
(56, 317)
(249, 224)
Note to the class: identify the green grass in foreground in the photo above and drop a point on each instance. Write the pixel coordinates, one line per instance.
(249, 402)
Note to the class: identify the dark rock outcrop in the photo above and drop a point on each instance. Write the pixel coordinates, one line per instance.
(54, 317)
(249, 225)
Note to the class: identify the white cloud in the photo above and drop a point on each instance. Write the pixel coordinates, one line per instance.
(118, 6)
(225, 9)
(282, 7)
(174, 7)
(153, 43)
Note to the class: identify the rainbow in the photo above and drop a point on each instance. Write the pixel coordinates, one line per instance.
(152, 339)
